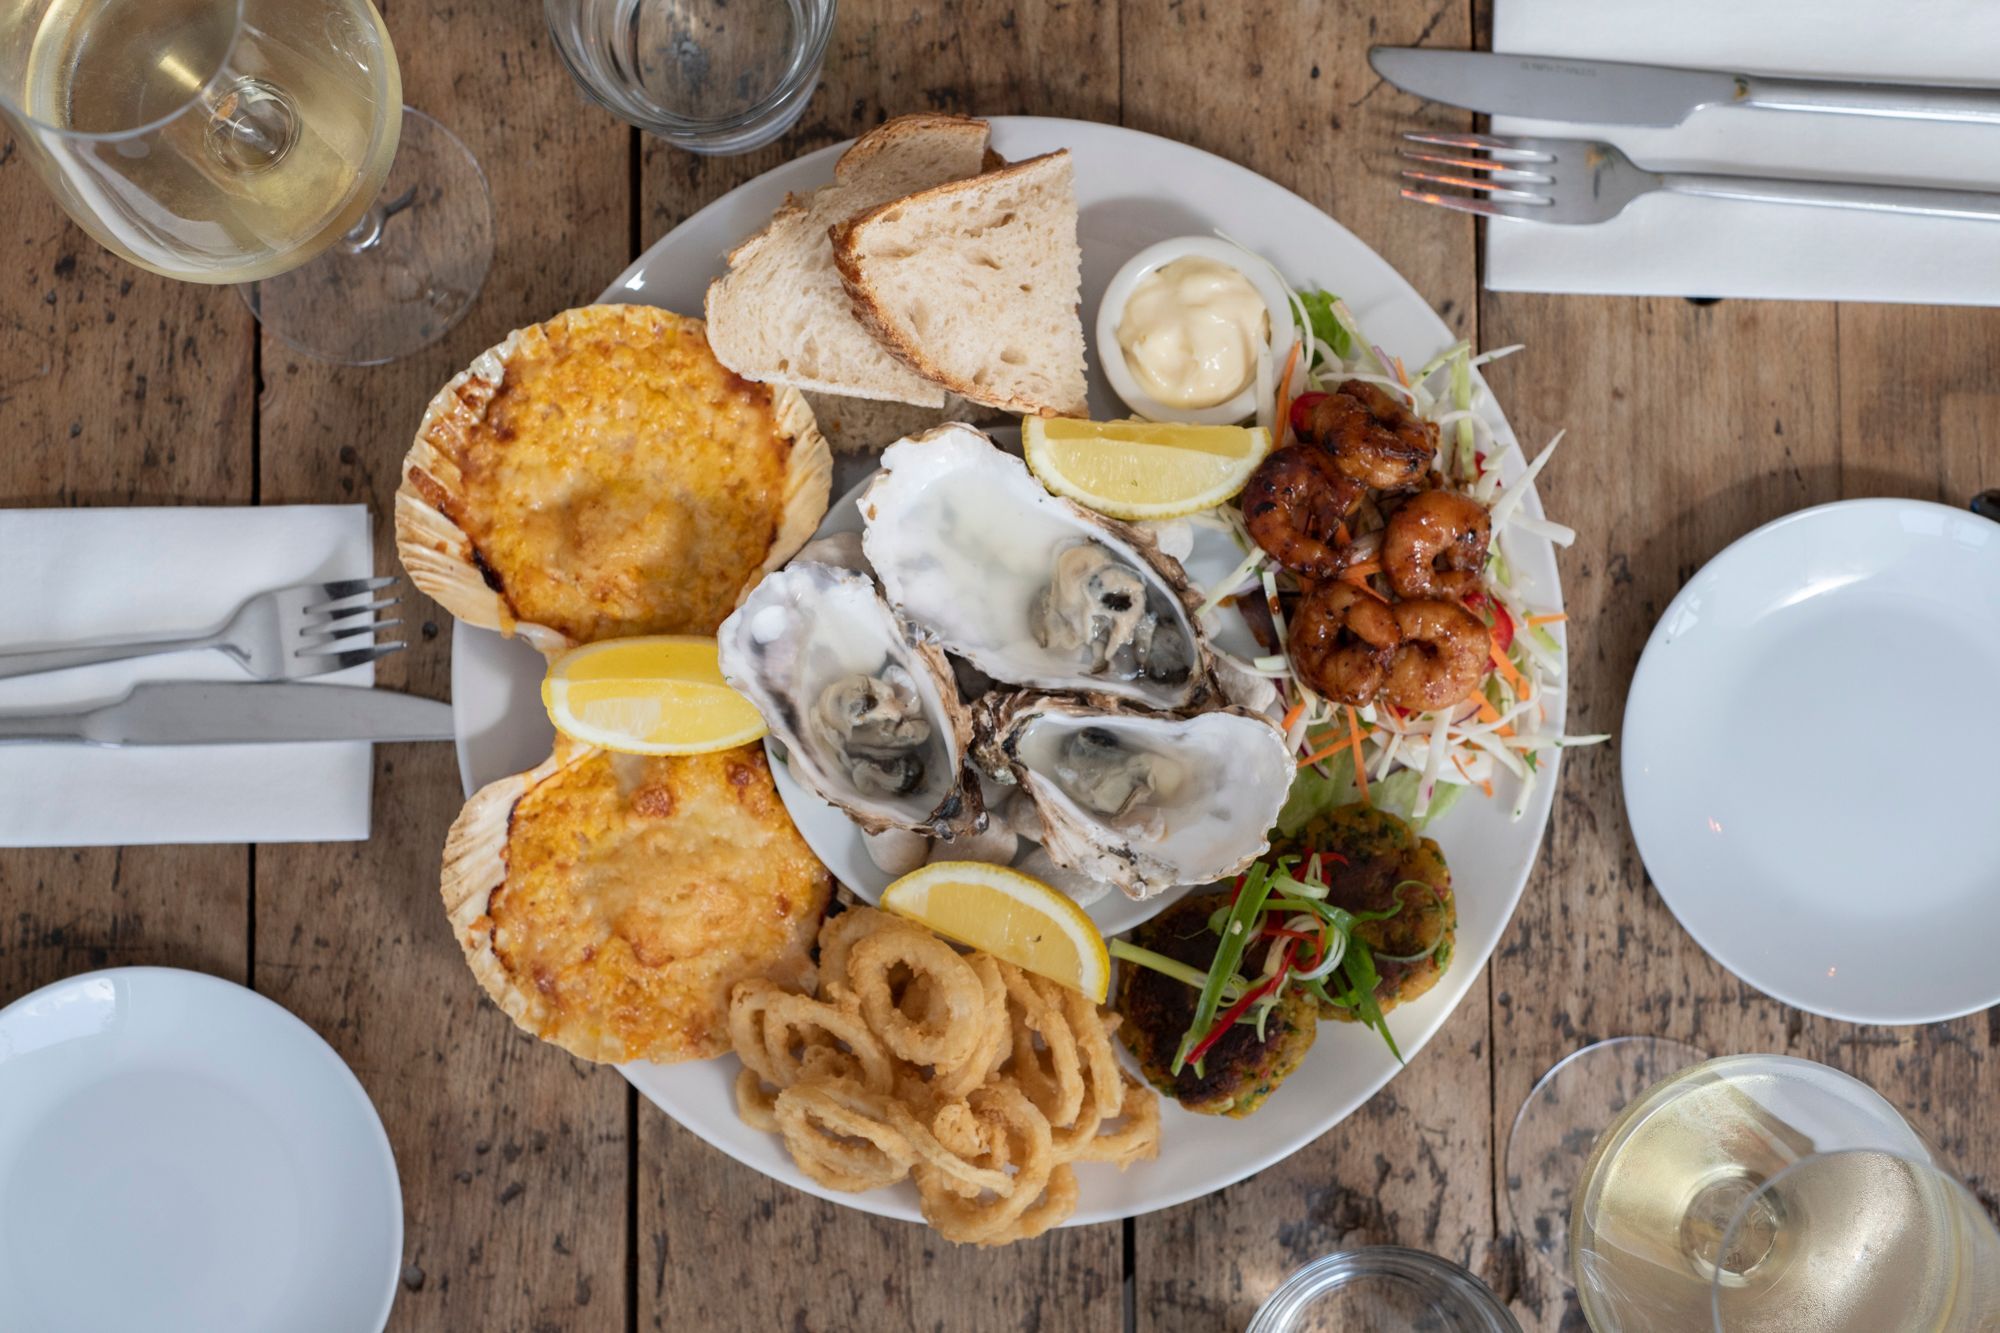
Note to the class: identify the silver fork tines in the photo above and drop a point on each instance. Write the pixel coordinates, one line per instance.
(1584, 181)
(308, 629)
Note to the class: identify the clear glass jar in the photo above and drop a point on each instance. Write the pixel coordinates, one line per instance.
(1383, 1289)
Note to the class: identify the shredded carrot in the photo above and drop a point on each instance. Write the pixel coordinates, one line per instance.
(1401, 373)
(1291, 717)
(1506, 669)
(1360, 767)
(1485, 784)
(1354, 580)
(1327, 751)
(1284, 421)
(1364, 568)
(1555, 619)
(1487, 712)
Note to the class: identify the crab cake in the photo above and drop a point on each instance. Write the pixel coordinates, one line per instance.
(1240, 1070)
(1386, 863)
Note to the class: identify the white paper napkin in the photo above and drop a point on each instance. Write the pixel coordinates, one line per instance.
(1664, 245)
(76, 574)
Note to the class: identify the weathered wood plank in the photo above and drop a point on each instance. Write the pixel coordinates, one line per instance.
(720, 1246)
(118, 388)
(514, 1157)
(1684, 433)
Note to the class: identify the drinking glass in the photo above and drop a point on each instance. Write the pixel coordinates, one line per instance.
(1383, 1289)
(1762, 1193)
(261, 142)
(710, 76)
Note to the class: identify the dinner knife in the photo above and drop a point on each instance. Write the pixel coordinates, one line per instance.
(226, 713)
(1608, 92)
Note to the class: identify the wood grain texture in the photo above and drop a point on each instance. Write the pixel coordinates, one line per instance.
(117, 388)
(722, 1247)
(514, 1156)
(540, 1193)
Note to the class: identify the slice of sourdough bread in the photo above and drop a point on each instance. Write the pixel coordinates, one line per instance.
(779, 314)
(975, 285)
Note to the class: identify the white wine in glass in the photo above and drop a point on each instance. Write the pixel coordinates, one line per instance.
(1772, 1194)
(235, 141)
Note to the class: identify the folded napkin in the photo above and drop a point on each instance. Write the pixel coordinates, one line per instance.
(1670, 246)
(75, 574)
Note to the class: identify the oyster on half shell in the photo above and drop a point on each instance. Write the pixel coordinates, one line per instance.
(869, 714)
(1142, 800)
(1026, 586)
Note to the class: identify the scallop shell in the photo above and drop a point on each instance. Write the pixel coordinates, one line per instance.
(440, 557)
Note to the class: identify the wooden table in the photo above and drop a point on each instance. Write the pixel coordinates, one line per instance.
(541, 1193)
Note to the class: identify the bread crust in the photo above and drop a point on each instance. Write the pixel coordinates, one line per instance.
(869, 308)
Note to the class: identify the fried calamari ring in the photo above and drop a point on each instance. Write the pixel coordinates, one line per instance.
(1056, 1088)
(966, 1172)
(1101, 1069)
(973, 1220)
(995, 1042)
(839, 934)
(946, 1032)
(754, 1103)
(838, 1133)
(1138, 1139)
(798, 1030)
(1058, 1201)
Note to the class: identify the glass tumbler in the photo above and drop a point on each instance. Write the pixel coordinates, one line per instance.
(710, 76)
(1383, 1289)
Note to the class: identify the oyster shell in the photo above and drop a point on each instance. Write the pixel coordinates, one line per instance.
(1143, 800)
(1028, 587)
(869, 714)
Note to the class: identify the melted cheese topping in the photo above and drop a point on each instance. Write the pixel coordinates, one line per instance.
(640, 890)
(621, 480)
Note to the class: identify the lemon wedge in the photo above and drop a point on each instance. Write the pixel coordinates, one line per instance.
(1010, 915)
(658, 695)
(1142, 469)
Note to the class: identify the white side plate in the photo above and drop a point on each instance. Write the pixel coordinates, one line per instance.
(1809, 762)
(181, 1155)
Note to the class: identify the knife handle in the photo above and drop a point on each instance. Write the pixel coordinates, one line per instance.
(1979, 106)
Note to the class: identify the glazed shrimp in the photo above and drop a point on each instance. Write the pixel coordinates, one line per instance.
(1441, 658)
(1435, 545)
(1294, 505)
(1373, 436)
(1342, 641)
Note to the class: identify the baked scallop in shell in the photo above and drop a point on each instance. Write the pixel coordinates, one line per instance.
(868, 711)
(1142, 800)
(1026, 586)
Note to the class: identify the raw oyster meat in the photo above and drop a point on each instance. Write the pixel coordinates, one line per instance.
(868, 712)
(1030, 588)
(1142, 800)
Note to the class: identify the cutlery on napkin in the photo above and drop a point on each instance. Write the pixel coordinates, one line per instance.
(79, 575)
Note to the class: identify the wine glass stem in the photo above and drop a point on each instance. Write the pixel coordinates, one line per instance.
(252, 125)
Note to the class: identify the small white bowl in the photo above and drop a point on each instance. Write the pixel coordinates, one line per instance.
(1112, 355)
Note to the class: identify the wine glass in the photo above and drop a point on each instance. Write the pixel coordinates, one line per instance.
(709, 76)
(1751, 1192)
(261, 142)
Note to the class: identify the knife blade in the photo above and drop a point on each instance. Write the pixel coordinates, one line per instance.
(226, 713)
(1548, 88)
(1614, 93)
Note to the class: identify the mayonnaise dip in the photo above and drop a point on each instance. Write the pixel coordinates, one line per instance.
(1192, 331)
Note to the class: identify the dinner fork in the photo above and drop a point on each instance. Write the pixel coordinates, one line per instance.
(1582, 180)
(307, 629)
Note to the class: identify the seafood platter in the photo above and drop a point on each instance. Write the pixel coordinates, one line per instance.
(1021, 694)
